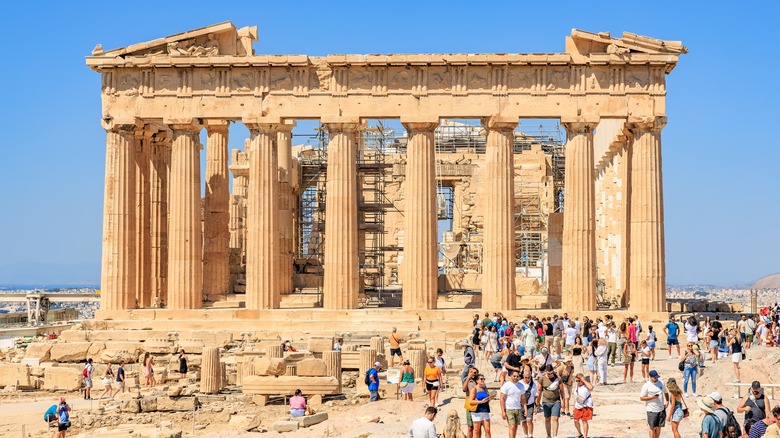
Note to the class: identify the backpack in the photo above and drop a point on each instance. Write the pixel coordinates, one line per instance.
(85, 373)
(731, 420)
(528, 391)
(368, 379)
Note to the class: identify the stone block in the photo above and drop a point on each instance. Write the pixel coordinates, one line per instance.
(31, 361)
(148, 404)
(95, 349)
(62, 378)
(114, 356)
(315, 400)
(38, 350)
(311, 420)
(190, 346)
(286, 385)
(158, 346)
(132, 406)
(286, 426)
(73, 336)
(269, 367)
(176, 404)
(70, 352)
(260, 400)
(244, 422)
(14, 374)
(321, 343)
(311, 368)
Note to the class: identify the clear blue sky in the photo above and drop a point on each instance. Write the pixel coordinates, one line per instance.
(720, 150)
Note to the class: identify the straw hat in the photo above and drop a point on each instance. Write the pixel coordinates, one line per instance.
(707, 404)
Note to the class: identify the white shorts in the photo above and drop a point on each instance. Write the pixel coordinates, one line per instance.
(736, 357)
(721, 355)
(407, 389)
(480, 416)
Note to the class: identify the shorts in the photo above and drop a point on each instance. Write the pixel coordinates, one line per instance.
(736, 357)
(514, 416)
(722, 354)
(432, 386)
(50, 417)
(469, 420)
(677, 414)
(551, 409)
(651, 344)
(87, 382)
(645, 361)
(480, 416)
(749, 339)
(529, 413)
(656, 419)
(63, 426)
(395, 352)
(672, 341)
(557, 342)
(713, 344)
(120, 384)
(297, 412)
(584, 414)
(408, 388)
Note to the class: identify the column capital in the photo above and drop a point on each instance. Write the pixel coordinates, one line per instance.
(178, 126)
(268, 124)
(216, 125)
(420, 124)
(649, 123)
(340, 124)
(499, 123)
(580, 124)
(121, 125)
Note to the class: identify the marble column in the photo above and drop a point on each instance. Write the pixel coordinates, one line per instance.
(286, 253)
(578, 282)
(239, 166)
(262, 236)
(420, 268)
(118, 270)
(143, 292)
(340, 288)
(185, 237)
(216, 235)
(158, 188)
(498, 242)
(647, 261)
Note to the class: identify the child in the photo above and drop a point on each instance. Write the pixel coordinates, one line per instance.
(651, 342)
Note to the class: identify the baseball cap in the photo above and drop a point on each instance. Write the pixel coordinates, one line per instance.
(756, 384)
(654, 374)
(378, 364)
(716, 396)
(544, 350)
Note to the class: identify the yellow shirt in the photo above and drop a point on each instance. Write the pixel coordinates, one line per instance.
(394, 340)
(432, 373)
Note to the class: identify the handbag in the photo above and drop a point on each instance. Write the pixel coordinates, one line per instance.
(404, 384)
(686, 413)
(469, 407)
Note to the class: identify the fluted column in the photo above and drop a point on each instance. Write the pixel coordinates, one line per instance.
(216, 235)
(158, 189)
(284, 153)
(420, 265)
(185, 238)
(143, 293)
(118, 271)
(262, 237)
(578, 281)
(211, 374)
(498, 242)
(340, 289)
(647, 259)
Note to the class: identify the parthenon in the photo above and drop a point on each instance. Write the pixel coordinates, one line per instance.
(534, 222)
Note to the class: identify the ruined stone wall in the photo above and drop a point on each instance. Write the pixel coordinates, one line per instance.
(612, 225)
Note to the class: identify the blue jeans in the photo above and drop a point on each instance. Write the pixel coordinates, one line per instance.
(374, 395)
(690, 373)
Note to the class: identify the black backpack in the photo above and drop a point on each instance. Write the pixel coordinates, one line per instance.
(731, 420)
(528, 391)
(368, 379)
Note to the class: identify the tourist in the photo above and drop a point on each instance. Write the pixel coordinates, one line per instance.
(490, 340)
(690, 370)
(298, 406)
(529, 339)
(735, 347)
(622, 339)
(726, 417)
(423, 427)
(432, 375)
(612, 338)
(373, 382)
(63, 421)
(469, 357)
(629, 357)
(577, 352)
(529, 401)
(440, 362)
(710, 424)
(633, 333)
(558, 328)
(671, 329)
(50, 416)
(715, 328)
(747, 328)
(583, 405)
(339, 344)
(148, 371)
(651, 340)
(772, 425)
(551, 399)
(498, 361)
(544, 358)
(511, 403)
(677, 402)
(120, 379)
(480, 397)
(692, 330)
(108, 378)
(569, 335)
(182, 364)
(656, 397)
(754, 405)
(601, 361)
(87, 373)
(469, 383)
(591, 365)
(644, 354)
(565, 371)
(395, 346)
(407, 381)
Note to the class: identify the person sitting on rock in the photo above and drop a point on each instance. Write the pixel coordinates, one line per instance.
(298, 406)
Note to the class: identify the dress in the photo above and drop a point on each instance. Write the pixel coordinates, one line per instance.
(491, 346)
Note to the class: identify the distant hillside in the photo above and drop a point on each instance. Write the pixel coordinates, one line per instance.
(768, 282)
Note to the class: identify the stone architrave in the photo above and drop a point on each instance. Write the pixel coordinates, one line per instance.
(420, 263)
(158, 188)
(578, 281)
(262, 240)
(286, 207)
(185, 238)
(216, 235)
(118, 273)
(340, 287)
(647, 280)
(498, 271)
(143, 291)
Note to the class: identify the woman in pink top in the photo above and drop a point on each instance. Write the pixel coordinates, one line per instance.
(632, 331)
(298, 406)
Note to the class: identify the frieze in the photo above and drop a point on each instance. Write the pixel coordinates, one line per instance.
(127, 83)
(165, 81)
(439, 79)
(243, 81)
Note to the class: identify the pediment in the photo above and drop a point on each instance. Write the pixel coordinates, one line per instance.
(222, 39)
(585, 43)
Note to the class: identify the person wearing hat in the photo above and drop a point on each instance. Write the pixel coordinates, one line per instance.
(656, 397)
(710, 424)
(407, 380)
(63, 421)
(754, 405)
(469, 357)
(373, 385)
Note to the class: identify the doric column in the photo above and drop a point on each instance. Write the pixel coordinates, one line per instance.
(284, 151)
(647, 259)
(578, 282)
(158, 188)
(216, 235)
(239, 165)
(118, 271)
(420, 239)
(143, 292)
(262, 236)
(340, 289)
(185, 238)
(498, 242)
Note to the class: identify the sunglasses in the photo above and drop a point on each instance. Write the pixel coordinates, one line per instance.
(481, 378)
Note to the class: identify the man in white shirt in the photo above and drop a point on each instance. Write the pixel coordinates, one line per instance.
(511, 405)
(529, 339)
(656, 398)
(545, 358)
(423, 427)
(528, 401)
